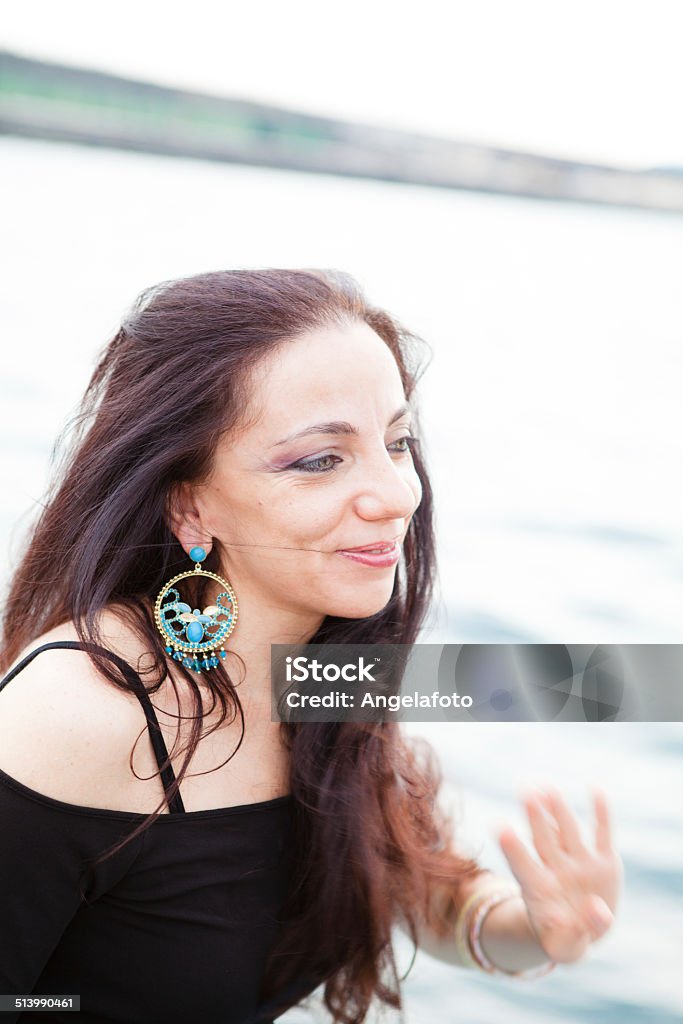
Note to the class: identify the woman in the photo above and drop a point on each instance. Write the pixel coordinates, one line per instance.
(265, 420)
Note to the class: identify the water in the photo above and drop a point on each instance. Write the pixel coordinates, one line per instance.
(552, 415)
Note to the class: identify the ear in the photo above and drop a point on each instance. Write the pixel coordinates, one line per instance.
(184, 518)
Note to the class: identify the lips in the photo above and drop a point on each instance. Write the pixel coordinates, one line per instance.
(379, 556)
(380, 548)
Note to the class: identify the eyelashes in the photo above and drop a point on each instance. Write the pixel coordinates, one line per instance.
(317, 465)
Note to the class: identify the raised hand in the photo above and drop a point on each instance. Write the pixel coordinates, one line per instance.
(571, 896)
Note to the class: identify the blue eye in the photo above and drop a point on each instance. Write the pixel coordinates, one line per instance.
(317, 465)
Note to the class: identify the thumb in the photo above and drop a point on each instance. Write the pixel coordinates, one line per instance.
(599, 916)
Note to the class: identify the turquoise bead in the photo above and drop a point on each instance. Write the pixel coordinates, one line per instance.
(197, 554)
(195, 632)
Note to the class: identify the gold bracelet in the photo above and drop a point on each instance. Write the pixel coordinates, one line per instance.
(468, 927)
(468, 909)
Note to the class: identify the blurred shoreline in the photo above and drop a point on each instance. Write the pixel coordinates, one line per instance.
(57, 102)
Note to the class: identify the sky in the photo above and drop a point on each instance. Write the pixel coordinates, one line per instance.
(597, 80)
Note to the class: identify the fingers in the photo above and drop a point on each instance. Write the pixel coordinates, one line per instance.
(569, 834)
(545, 834)
(528, 873)
(603, 831)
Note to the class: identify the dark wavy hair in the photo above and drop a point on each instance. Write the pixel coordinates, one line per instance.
(373, 841)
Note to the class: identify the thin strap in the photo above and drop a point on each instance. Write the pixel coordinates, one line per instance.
(175, 805)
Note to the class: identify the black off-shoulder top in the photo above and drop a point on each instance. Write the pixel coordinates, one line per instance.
(175, 927)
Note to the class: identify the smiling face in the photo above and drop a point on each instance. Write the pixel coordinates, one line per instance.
(287, 493)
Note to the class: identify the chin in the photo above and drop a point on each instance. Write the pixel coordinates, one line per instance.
(363, 602)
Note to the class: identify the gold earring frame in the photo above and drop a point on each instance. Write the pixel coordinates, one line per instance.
(189, 649)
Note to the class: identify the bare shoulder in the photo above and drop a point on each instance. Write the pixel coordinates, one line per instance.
(68, 732)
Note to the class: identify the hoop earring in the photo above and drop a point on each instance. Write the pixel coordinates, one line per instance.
(196, 638)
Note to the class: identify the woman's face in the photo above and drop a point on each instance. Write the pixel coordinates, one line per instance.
(283, 507)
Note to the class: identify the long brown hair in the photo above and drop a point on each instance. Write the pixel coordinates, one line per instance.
(372, 841)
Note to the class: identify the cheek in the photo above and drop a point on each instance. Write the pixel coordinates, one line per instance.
(416, 487)
(310, 509)
(299, 520)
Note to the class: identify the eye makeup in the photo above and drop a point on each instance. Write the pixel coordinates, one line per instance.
(315, 464)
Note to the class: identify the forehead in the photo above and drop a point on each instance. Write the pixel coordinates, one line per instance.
(336, 371)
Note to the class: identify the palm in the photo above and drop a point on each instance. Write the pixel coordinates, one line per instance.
(572, 883)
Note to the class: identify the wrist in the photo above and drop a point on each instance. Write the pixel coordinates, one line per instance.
(508, 940)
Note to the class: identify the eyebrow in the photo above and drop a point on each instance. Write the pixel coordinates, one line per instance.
(337, 427)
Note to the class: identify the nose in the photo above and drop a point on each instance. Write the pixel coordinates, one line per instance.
(388, 489)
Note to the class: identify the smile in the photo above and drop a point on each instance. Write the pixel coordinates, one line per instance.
(380, 556)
